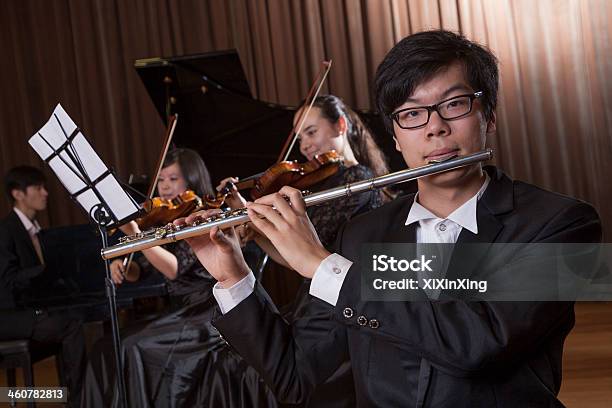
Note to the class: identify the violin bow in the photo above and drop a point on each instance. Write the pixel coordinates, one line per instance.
(313, 93)
(169, 134)
(127, 261)
(315, 88)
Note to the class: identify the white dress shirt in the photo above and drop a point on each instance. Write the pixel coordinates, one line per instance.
(329, 276)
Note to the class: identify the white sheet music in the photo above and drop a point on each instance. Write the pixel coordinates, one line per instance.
(79, 167)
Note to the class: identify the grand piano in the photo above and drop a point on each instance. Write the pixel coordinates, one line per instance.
(236, 134)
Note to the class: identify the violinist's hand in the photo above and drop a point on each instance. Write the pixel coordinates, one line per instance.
(234, 199)
(119, 274)
(219, 251)
(117, 271)
(289, 229)
(131, 228)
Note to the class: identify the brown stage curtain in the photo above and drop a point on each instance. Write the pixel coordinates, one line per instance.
(555, 106)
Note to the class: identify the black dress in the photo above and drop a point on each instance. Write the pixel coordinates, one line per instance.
(166, 361)
(328, 217)
(236, 379)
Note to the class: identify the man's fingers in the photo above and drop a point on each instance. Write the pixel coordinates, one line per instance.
(295, 198)
(264, 226)
(266, 200)
(222, 238)
(282, 206)
(179, 222)
(198, 216)
(279, 201)
(268, 212)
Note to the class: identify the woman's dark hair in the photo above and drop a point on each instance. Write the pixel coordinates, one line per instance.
(20, 178)
(360, 139)
(419, 57)
(193, 168)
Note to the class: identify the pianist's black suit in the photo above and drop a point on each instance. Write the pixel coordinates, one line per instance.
(19, 264)
(426, 354)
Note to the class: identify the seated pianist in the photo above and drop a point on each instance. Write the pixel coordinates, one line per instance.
(22, 263)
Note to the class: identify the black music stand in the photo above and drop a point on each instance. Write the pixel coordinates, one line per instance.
(91, 184)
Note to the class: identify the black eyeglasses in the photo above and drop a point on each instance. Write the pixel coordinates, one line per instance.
(451, 108)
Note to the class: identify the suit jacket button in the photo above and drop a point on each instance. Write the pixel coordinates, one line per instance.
(362, 320)
(347, 312)
(374, 324)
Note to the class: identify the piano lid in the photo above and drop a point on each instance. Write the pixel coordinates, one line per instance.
(235, 134)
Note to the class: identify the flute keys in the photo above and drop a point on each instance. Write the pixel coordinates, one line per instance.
(165, 230)
(235, 212)
(130, 238)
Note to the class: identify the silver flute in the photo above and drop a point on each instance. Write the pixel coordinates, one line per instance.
(227, 219)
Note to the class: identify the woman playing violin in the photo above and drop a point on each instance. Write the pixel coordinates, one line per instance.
(183, 170)
(164, 356)
(331, 125)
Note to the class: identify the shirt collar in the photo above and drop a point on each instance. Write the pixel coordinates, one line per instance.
(31, 226)
(465, 216)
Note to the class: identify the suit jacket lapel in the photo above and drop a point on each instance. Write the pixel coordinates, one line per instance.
(402, 233)
(466, 254)
(22, 237)
(399, 232)
(497, 199)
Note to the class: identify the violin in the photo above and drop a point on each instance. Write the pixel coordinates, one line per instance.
(163, 211)
(159, 211)
(291, 173)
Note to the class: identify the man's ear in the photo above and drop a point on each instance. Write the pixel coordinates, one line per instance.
(341, 125)
(492, 124)
(397, 145)
(17, 194)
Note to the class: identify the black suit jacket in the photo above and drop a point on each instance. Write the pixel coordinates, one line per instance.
(426, 354)
(19, 264)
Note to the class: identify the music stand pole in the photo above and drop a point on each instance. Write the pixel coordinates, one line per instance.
(102, 220)
(94, 187)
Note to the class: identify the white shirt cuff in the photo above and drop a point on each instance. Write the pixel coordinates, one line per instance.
(229, 298)
(329, 277)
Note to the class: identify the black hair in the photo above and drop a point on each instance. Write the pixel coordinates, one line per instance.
(359, 136)
(20, 178)
(193, 168)
(419, 57)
